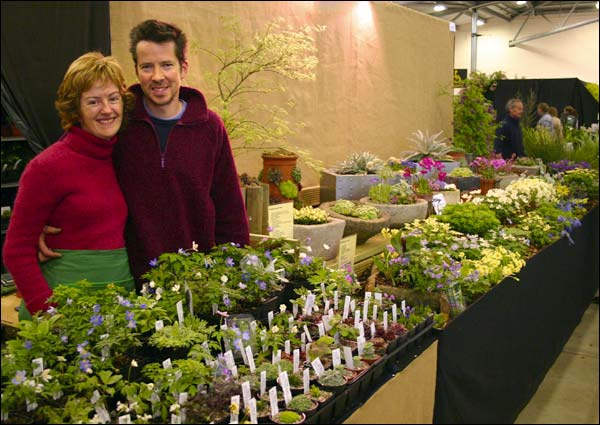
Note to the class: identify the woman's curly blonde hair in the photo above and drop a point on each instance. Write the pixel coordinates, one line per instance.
(80, 77)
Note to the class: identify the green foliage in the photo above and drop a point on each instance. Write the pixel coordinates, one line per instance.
(352, 209)
(310, 215)
(385, 193)
(530, 117)
(246, 64)
(297, 174)
(474, 121)
(288, 189)
(288, 417)
(359, 163)
(469, 218)
(593, 89)
(525, 161)
(585, 146)
(332, 378)
(539, 143)
(302, 403)
(582, 183)
(425, 145)
(461, 172)
(195, 331)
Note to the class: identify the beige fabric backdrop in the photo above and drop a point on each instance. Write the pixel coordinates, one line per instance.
(378, 80)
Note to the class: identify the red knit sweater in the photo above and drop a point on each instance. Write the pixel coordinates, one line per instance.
(71, 185)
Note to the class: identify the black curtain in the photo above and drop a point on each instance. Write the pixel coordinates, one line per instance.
(39, 41)
(557, 92)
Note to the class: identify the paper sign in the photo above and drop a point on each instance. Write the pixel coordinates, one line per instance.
(246, 393)
(285, 386)
(179, 306)
(348, 357)
(318, 366)
(250, 358)
(273, 401)
(296, 360)
(336, 357)
(335, 300)
(234, 410)
(263, 382)
(158, 325)
(167, 364)
(281, 220)
(253, 415)
(346, 307)
(306, 380)
(347, 252)
(270, 318)
(385, 321)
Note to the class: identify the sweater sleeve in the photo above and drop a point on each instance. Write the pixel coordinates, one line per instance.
(35, 201)
(231, 222)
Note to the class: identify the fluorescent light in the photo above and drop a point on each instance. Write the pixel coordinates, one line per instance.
(439, 7)
(520, 3)
(480, 22)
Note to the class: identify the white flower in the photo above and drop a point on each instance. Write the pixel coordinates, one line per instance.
(176, 287)
(224, 278)
(282, 308)
(146, 417)
(134, 363)
(39, 388)
(152, 284)
(144, 289)
(194, 246)
(308, 248)
(327, 247)
(121, 407)
(275, 329)
(46, 375)
(174, 407)
(302, 255)
(61, 359)
(294, 329)
(198, 275)
(150, 386)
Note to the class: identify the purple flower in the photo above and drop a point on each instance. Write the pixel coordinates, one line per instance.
(269, 229)
(226, 300)
(19, 378)
(126, 303)
(229, 262)
(261, 284)
(64, 338)
(96, 320)
(131, 324)
(349, 278)
(27, 344)
(96, 308)
(268, 254)
(246, 335)
(245, 277)
(306, 260)
(85, 365)
(153, 262)
(374, 180)
(143, 306)
(129, 315)
(391, 249)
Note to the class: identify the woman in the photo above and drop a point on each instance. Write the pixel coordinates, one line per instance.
(72, 185)
(556, 124)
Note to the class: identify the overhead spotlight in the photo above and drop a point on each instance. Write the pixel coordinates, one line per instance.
(480, 22)
(596, 5)
(521, 3)
(439, 7)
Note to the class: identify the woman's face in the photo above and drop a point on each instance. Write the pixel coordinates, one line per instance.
(102, 109)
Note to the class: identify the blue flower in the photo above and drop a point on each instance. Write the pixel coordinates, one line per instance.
(268, 254)
(96, 308)
(153, 262)
(96, 320)
(129, 315)
(226, 300)
(19, 377)
(143, 306)
(85, 366)
(245, 277)
(229, 262)
(64, 339)
(306, 261)
(261, 284)
(126, 303)
(576, 223)
(131, 324)
(27, 344)
(246, 335)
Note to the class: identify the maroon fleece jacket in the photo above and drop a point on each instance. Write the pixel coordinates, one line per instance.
(190, 192)
(71, 185)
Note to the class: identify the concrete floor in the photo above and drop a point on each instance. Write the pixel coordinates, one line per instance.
(569, 392)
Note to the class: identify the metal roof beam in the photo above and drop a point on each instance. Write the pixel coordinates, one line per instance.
(513, 43)
(496, 14)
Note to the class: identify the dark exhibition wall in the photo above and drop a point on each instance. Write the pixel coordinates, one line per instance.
(39, 41)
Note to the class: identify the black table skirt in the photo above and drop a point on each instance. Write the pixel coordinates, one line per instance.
(492, 358)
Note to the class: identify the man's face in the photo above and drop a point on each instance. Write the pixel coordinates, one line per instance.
(160, 74)
(517, 110)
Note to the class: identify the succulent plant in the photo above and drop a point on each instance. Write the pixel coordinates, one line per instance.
(359, 163)
(310, 215)
(332, 378)
(288, 189)
(287, 417)
(297, 174)
(461, 172)
(424, 145)
(274, 175)
(351, 209)
(301, 403)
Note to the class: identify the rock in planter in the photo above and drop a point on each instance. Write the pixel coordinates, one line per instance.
(364, 229)
(318, 235)
(399, 213)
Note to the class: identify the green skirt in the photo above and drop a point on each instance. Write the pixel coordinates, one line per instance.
(99, 267)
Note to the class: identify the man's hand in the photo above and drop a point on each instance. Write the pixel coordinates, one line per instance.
(44, 252)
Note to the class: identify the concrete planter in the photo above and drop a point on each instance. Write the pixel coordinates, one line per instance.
(347, 186)
(532, 170)
(503, 181)
(364, 229)
(451, 196)
(400, 214)
(464, 183)
(318, 235)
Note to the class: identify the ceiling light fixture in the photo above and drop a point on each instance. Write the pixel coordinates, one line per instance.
(520, 3)
(480, 22)
(439, 7)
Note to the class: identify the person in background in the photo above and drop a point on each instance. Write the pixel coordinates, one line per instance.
(509, 136)
(72, 184)
(569, 117)
(174, 163)
(545, 120)
(556, 124)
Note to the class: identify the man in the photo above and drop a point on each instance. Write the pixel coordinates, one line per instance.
(509, 137)
(545, 121)
(174, 162)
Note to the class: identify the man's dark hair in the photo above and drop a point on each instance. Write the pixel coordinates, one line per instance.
(158, 32)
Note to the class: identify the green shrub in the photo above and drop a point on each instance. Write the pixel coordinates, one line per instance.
(461, 172)
(288, 189)
(301, 403)
(582, 182)
(351, 209)
(539, 143)
(288, 417)
(470, 218)
(585, 148)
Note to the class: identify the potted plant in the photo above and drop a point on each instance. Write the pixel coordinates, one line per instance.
(280, 172)
(351, 178)
(463, 178)
(526, 165)
(302, 403)
(332, 380)
(319, 395)
(363, 220)
(398, 200)
(288, 417)
(314, 228)
(488, 169)
(429, 146)
(369, 354)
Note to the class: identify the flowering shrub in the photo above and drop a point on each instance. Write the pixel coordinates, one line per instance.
(532, 192)
(582, 183)
(310, 215)
(505, 204)
(549, 223)
(490, 168)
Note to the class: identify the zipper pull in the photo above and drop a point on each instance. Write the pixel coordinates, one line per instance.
(162, 160)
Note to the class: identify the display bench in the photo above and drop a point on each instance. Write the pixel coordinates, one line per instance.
(492, 358)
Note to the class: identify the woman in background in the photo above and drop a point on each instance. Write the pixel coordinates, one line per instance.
(72, 185)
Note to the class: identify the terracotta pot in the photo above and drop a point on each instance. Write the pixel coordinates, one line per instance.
(486, 185)
(285, 164)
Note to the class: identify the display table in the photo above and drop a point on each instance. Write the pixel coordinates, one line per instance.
(492, 358)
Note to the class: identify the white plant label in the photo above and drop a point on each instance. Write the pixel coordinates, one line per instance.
(318, 366)
(374, 311)
(253, 415)
(346, 307)
(307, 333)
(394, 313)
(353, 305)
(321, 328)
(385, 321)
(95, 397)
(295, 309)
(335, 300)
(285, 386)
(158, 325)
(348, 358)
(273, 401)
(326, 308)
(356, 318)
(326, 325)
(366, 309)
(323, 288)
(243, 351)
(263, 382)
(287, 346)
(179, 306)
(183, 398)
(361, 329)
(270, 318)
(310, 302)
(125, 419)
(250, 358)
(291, 322)
(246, 393)
(361, 345)
(306, 380)
(372, 330)
(296, 360)
(378, 297)
(336, 357)
(167, 364)
(403, 307)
